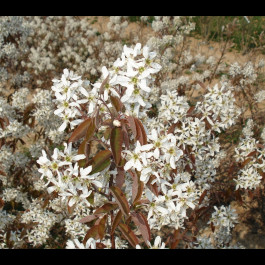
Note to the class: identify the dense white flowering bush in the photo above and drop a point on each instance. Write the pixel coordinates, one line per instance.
(118, 147)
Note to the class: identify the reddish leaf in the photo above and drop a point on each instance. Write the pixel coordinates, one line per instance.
(231, 169)
(2, 203)
(46, 202)
(228, 194)
(202, 197)
(26, 115)
(250, 193)
(212, 227)
(70, 209)
(176, 239)
(129, 235)
(80, 131)
(84, 148)
(260, 146)
(121, 200)
(107, 207)
(202, 210)
(100, 161)
(107, 133)
(92, 232)
(191, 156)
(207, 124)
(100, 245)
(97, 118)
(245, 162)
(2, 123)
(261, 173)
(107, 122)
(8, 234)
(90, 130)
(143, 201)
(141, 222)
(116, 103)
(103, 84)
(141, 135)
(172, 128)
(132, 125)
(126, 139)
(153, 187)
(137, 187)
(238, 196)
(190, 110)
(116, 139)
(101, 226)
(89, 218)
(120, 177)
(116, 221)
(252, 153)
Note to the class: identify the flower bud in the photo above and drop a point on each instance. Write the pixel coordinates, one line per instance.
(116, 123)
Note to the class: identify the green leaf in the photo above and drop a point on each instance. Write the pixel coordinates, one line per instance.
(116, 140)
(91, 198)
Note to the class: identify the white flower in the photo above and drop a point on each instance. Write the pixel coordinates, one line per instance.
(68, 156)
(75, 244)
(109, 86)
(137, 158)
(45, 164)
(158, 244)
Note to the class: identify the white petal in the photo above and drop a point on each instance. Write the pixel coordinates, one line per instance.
(128, 165)
(156, 153)
(105, 71)
(97, 183)
(86, 171)
(71, 202)
(62, 127)
(146, 147)
(162, 210)
(51, 189)
(172, 162)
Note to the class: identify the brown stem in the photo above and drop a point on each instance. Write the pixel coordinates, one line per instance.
(218, 63)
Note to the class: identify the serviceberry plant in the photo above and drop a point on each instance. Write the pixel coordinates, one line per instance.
(117, 145)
